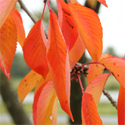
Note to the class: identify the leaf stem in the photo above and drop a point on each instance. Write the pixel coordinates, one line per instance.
(27, 11)
(43, 10)
(48, 5)
(92, 63)
(80, 83)
(110, 98)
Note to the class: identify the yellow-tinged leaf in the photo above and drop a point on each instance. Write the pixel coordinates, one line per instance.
(96, 87)
(57, 56)
(90, 115)
(34, 50)
(28, 83)
(5, 8)
(8, 38)
(19, 26)
(90, 29)
(43, 104)
(121, 106)
(116, 66)
(96, 69)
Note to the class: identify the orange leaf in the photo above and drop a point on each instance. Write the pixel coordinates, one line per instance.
(90, 29)
(96, 69)
(35, 50)
(121, 106)
(96, 87)
(74, 2)
(8, 38)
(90, 115)
(5, 8)
(58, 63)
(103, 2)
(76, 52)
(27, 84)
(116, 66)
(43, 104)
(48, 78)
(67, 24)
(19, 26)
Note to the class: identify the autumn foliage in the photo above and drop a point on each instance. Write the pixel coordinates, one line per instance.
(52, 60)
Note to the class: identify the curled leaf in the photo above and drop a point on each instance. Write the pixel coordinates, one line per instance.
(34, 50)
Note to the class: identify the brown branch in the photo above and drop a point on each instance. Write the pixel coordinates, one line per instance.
(26, 10)
(110, 98)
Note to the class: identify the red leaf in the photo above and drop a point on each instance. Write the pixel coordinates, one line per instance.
(5, 8)
(8, 38)
(27, 84)
(116, 66)
(96, 87)
(90, 115)
(103, 2)
(90, 29)
(43, 104)
(121, 106)
(35, 50)
(67, 24)
(58, 63)
(19, 26)
(96, 69)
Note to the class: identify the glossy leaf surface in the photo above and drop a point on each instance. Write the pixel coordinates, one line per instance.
(27, 84)
(90, 115)
(121, 106)
(58, 63)
(116, 66)
(19, 26)
(67, 24)
(8, 38)
(35, 50)
(90, 29)
(43, 104)
(96, 87)
(5, 8)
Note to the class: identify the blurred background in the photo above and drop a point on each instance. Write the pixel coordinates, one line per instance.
(113, 23)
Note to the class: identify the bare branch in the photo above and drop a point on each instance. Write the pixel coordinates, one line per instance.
(110, 98)
(26, 10)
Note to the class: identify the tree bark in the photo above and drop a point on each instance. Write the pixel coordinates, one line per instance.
(12, 103)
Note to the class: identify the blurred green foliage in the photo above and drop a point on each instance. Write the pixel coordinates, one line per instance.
(19, 68)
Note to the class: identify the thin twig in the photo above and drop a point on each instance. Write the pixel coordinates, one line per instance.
(110, 98)
(27, 11)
